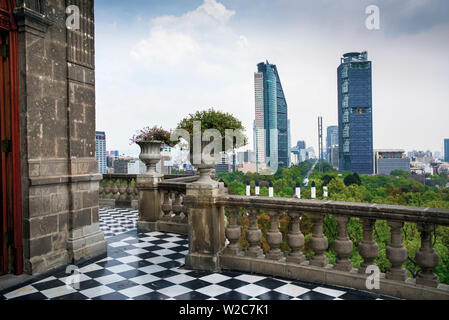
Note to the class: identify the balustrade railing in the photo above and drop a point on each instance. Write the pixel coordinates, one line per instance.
(118, 190)
(293, 263)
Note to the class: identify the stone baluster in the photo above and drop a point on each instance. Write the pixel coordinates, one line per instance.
(318, 242)
(343, 245)
(368, 248)
(101, 189)
(233, 232)
(185, 211)
(177, 207)
(134, 190)
(396, 253)
(108, 189)
(254, 235)
(295, 239)
(129, 191)
(166, 206)
(426, 258)
(274, 237)
(115, 190)
(122, 190)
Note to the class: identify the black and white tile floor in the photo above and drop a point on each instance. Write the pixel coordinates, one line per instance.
(149, 266)
(117, 221)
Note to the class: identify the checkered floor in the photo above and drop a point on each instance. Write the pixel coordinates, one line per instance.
(117, 221)
(149, 266)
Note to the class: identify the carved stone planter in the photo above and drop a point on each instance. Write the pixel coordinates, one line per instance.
(150, 154)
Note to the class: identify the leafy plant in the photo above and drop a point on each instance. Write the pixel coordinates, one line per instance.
(152, 134)
(212, 119)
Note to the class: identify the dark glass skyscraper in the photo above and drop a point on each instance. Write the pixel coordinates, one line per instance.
(275, 120)
(446, 150)
(355, 121)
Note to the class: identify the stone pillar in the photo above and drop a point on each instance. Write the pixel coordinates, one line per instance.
(149, 202)
(318, 242)
(426, 258)
(343, 245)
(396, 253)
(60, 179)
(368, 248)
(206, 227)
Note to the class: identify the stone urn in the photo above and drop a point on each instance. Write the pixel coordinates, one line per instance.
(150, 154)
(204, 170)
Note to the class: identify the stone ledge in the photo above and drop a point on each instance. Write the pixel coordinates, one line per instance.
(163, 226)
(43, 181)
(329, 276)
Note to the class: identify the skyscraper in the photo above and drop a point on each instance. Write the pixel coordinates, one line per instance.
(271, 122)
(355, 122)
(100, 151)
(331, 140)
(446, 150)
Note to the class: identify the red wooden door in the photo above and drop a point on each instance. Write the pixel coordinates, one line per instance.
(11, 259)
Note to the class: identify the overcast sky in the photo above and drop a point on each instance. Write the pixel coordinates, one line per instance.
(159, 60)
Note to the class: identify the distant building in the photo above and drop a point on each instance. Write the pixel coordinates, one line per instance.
(355, 122)
(136, 167)
(301, 145)
(100, 151)
(224, 165)
(251, 167)
(446, 150)
(331, 140)
(386, 161)
(113, 153)
(166, 164)
(421, 156)
(246, 156)
(333, 156)
(271, 124)
(121, 165)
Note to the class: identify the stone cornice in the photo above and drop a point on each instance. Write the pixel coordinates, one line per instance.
(32, 21)
(44, 181)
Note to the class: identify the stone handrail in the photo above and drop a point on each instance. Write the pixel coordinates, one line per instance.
(119, 190)
(294, 264)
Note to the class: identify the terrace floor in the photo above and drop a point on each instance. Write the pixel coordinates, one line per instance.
(150, 266)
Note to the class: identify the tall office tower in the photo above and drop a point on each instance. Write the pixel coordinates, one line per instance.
(100, 151)
(331, 140)
(259, 122)
(289, 143)
(271, 117)
(446, 150)
(320, 142)
(355, 122)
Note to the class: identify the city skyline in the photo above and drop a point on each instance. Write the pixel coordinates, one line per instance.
(169, 65)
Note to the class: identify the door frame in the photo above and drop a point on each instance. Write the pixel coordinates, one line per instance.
(11, 241)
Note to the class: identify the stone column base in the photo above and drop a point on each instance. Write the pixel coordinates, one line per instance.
(199, 261)
(147, 226)
(86, 243)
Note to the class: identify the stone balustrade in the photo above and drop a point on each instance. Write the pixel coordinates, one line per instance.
(293, 263)
(118, 190)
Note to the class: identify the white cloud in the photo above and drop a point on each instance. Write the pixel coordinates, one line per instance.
(166, 47)
(192, 37)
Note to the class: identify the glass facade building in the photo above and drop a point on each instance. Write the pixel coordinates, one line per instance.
(446, 150)
(270, 95)
(355, 121)
(100, 151)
